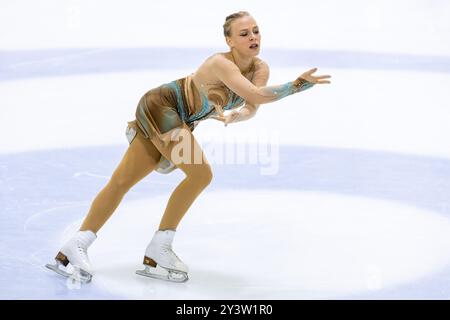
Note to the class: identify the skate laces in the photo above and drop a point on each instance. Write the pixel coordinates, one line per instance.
(81, 249)
(168, 248)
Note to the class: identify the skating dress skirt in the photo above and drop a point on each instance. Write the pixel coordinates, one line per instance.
(165, 108)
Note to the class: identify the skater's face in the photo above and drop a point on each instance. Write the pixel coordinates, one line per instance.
(244, 33)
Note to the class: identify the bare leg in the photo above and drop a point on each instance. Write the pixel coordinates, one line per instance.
(198, 176)
(139, 160)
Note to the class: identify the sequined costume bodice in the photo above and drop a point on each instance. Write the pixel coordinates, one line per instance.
(195, 104)
(168, 106)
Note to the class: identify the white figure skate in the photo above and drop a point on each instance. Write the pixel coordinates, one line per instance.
(161, 262)
(75, 253)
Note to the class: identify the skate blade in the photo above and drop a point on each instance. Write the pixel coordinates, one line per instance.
(55, 268)
(163, 274)
(82, 275)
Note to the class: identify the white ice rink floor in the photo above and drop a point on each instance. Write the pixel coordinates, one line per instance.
(358, 206)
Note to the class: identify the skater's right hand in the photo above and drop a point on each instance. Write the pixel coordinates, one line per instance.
(309, 77)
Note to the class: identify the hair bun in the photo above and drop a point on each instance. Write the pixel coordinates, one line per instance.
(230, 18)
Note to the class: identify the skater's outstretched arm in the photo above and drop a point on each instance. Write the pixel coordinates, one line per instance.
(231, 76)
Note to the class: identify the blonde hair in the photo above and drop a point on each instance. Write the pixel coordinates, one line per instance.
(229, 19)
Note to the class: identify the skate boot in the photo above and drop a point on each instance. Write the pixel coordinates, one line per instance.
(161, 262)
(75, 253)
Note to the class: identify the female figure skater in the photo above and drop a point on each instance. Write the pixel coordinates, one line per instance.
(223, 82)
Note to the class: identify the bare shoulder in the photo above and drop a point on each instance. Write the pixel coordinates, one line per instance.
(261, 65)
(221, 60)
(206, 74)
(220, 63)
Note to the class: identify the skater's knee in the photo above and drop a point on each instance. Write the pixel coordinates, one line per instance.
(207, 175)
(120, 184)
(202, 174)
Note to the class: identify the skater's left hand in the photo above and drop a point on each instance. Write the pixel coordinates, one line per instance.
(226, 119)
